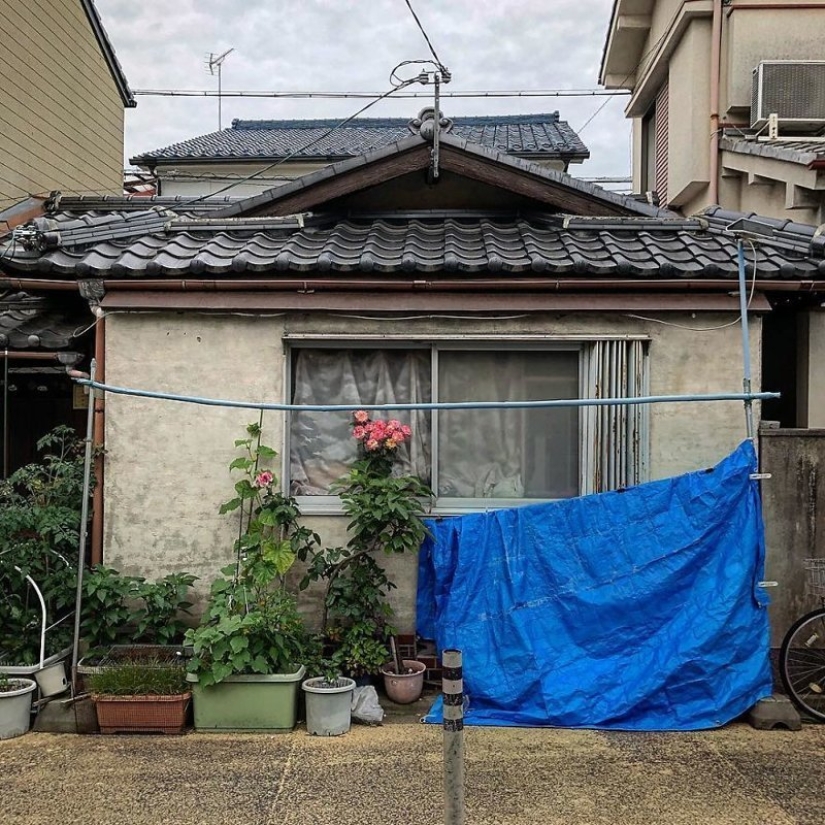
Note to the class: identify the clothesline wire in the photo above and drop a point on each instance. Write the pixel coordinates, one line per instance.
(434, 405)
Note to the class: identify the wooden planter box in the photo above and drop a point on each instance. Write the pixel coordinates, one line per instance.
(142, 714)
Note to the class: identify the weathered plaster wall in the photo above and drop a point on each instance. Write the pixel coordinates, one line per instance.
(166, 463)
(793, 503)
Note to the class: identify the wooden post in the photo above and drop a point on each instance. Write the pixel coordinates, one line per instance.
(452, 686)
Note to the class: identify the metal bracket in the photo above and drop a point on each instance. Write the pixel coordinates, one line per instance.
(759, 476)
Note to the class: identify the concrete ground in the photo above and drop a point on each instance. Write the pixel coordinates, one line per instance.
(393, 774)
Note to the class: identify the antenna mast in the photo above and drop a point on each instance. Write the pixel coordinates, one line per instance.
(216, 62)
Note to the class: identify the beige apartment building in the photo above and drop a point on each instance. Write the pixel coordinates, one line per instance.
(705, 77)
(62, 96)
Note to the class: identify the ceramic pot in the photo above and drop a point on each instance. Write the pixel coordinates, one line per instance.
(404, 688)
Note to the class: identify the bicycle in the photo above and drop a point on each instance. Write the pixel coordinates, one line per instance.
(802, 655)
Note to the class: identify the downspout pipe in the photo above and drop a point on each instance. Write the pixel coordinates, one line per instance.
(715, 82)
(98, 441)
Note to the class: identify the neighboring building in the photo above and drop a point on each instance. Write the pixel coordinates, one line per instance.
(700, 103)
(62, 95)
(375, 278)
(276, 151)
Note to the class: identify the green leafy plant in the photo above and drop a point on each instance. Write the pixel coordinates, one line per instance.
(121, 609)
(252, 623)
(385, 512)
(151, 678)
(40, 508)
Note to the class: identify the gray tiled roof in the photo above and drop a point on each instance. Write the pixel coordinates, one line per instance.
(795, 151)
(28, 322)
(537, 244)
(536, 136)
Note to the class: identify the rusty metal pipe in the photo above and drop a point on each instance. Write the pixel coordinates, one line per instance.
(715, 79)
(98, 440)
(468, 285)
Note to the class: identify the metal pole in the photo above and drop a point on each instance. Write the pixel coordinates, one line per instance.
(220, 121)
(746, 342)
(84, 518)
(6, 415)
(453, 690)
(436, 125)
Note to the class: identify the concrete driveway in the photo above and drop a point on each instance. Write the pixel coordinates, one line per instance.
(393, 774)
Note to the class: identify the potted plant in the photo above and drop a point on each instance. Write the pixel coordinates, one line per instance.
(128, 618)
(248, 652)
(385, 510)
(327, 695)
(15, 705)
(141, 697)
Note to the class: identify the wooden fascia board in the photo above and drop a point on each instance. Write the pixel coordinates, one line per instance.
(525, 184)
(585, 301)
(370, 174)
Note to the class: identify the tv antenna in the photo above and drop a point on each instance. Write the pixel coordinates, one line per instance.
(213, 62)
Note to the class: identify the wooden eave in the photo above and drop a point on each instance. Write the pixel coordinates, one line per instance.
(472, 166)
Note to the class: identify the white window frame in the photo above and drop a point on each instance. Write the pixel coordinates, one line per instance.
(442, 505)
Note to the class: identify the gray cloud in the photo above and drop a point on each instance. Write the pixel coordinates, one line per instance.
(352, 46)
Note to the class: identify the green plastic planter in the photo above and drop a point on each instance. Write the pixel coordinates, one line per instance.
(256, 702)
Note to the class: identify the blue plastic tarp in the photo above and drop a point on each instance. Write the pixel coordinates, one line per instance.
(632, 610)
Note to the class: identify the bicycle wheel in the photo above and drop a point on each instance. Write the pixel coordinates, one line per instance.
(802, 663)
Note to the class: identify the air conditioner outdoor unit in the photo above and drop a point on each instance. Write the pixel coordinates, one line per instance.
(792, 89)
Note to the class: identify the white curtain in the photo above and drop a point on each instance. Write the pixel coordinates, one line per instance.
(508, 453)
(321, 444)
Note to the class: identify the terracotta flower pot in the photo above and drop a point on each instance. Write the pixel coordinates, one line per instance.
(404, 688)
(142, 714)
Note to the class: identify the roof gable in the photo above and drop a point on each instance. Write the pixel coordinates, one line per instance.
(548, 188)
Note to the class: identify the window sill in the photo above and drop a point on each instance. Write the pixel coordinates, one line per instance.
(443, 507)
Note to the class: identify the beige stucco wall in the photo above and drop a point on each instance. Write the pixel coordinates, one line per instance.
(61, 116)
(166, 462)
(767, 34)
(688, 121)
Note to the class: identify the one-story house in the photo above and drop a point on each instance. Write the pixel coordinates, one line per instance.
(399, 276)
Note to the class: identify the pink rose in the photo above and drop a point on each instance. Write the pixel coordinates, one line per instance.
(361, 416)
(358, 432)
(406, 431)
(264, 479)
(372, 445)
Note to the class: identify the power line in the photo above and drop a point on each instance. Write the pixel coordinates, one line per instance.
(633, 70)
(472, 93)
(297, 151)
(421, 28)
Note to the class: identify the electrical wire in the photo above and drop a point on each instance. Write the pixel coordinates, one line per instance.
(297, 151)
(469, 93)
(426, 37)
(733, 323)
(634, 69)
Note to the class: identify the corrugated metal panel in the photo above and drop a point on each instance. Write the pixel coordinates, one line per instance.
(661, 142)
(614, 443)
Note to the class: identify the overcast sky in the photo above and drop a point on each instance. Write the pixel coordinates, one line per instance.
(352, 45)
